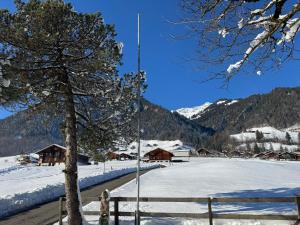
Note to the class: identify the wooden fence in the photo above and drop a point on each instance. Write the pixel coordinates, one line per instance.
(208, 215)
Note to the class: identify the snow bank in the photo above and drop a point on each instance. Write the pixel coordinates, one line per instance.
(26, 186)
(214, 177)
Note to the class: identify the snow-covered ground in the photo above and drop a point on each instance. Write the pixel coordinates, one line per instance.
(215, 177)
(24, 186)
(268, 132)
(271, 145)
(149, 145)
(275, 139)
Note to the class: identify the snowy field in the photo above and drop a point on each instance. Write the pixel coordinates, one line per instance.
(203, 177)
(25, 186)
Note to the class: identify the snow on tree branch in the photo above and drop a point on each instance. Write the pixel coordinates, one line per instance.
(260, 34)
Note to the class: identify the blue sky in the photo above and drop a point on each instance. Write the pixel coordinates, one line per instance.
(173, 83)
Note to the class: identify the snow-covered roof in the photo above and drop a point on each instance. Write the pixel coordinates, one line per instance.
(158, 149)
(56, 145)
(149, 145)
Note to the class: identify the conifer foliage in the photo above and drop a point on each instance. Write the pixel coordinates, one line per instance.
(57, 59)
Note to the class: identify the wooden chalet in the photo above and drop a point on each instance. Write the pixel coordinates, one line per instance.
(125, 156)
(159, 154)
(112, 155)
(54, 154)
(203, 152)
(119, 156)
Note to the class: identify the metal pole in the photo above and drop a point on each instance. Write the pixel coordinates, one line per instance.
(137, 219)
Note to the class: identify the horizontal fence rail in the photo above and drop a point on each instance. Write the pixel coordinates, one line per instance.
(208, 215)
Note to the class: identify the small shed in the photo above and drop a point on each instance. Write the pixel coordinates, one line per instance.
(54, 153)
(159, 154)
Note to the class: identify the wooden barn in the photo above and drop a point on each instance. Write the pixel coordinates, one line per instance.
(54, 153)
(159, 154)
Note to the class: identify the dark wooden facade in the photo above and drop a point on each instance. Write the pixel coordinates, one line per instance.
(203, 152)
(56, 154)
(159, 154)
(119, 156)
(112, 155)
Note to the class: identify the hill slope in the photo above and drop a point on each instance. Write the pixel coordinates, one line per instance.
(24, 133)
(279, 109)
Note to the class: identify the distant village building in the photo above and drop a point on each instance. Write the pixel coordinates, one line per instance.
(270, 155)
(297, 155)
(159, 154)
(112, 155)
(203, 152)
(182, 153)
(119, 156)
(54, 154)
(235, 154)
(125, 156)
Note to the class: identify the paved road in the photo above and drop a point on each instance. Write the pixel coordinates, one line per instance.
(47, 214)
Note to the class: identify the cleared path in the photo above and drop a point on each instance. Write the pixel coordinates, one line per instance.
(47, 214)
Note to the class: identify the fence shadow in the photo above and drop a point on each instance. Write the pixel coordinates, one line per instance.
(271, 208)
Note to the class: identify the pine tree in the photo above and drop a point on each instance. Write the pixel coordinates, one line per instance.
(65, 62)
(259, 136)
(256, 149)
(288, 138)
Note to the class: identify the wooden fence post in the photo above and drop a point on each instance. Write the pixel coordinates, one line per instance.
(60, 210)
(210, 214)
(104, 208)
(298, 205)
(116, 207)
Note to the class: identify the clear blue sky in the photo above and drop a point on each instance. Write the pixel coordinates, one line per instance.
(173, 83)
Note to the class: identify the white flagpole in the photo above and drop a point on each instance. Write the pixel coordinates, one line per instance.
(137, 219)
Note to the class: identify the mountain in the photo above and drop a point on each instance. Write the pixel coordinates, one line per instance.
(27, 133)
(194, 112)
(279, 109)
(161, 124)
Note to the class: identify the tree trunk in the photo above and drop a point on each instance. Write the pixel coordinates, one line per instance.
(71, 175)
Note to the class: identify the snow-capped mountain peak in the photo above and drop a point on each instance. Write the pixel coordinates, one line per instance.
(193, 112)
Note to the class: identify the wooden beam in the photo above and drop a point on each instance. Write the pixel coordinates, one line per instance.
(154, 199)
(116, 210)
(298, 205)
(210, 214)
